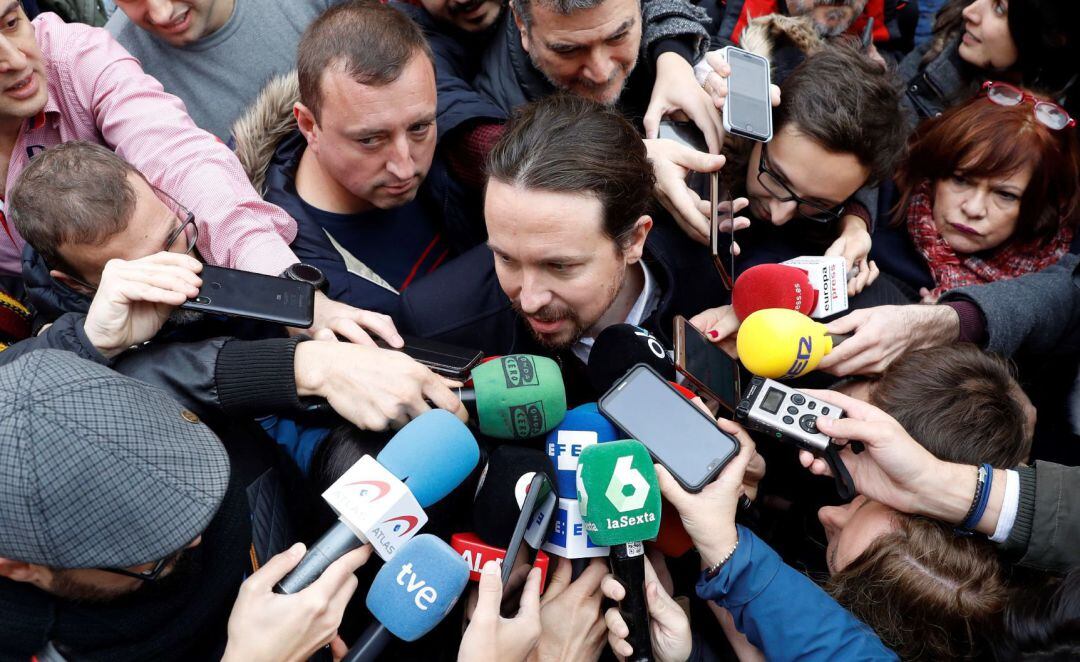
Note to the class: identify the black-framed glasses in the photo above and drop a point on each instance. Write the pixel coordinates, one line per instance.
(188, 221)
(148, 576)
(780, 190)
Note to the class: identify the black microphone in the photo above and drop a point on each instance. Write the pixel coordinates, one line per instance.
(619, 348)
(495, 508)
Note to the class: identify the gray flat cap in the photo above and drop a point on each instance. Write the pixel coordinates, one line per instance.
(98, 470)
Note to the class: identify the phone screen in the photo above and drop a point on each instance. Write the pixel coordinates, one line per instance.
(748, 108)
(678, 434)
(710, 367)
(721, 242)
(448, 360)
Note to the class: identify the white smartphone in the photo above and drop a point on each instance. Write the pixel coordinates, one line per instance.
(747, 108)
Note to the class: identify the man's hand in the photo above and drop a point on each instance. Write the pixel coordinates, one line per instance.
(709, 515)
(573, 628)
(333, 318)
(894, 469)
(672, 162)
(883, 334)
(668, 624)
(492, 638)
(373, 388)
(676, 90)
(853, 245)
(712, 73)
(135, 298)
(267, 626)
(721, 326)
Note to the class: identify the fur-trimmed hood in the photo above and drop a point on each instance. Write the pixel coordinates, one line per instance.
(262, 127)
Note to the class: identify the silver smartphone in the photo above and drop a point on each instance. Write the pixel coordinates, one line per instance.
(747, 108)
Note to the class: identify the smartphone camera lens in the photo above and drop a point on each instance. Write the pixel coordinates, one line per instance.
(203, 300)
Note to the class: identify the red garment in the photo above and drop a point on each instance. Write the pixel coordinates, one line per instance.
(951, 270)
(876, 8)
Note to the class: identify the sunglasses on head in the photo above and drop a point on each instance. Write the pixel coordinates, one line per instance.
(1047, 113)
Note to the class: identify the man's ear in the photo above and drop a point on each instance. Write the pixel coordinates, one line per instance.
(305, 121)
(70, 282)
(636, 247)
(28, 573)
(522, 28)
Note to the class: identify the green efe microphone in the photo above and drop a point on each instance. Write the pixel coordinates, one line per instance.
(517, 396)
(619, 500)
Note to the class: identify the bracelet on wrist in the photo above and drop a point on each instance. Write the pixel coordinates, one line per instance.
(715, 568)
(979, 500)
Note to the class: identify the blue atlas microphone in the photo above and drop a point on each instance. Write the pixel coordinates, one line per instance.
(411, 594)
(431, 456)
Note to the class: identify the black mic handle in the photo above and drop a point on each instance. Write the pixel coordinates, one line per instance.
(628, 566)
(577, 566)
(370, 645)
(335, 543)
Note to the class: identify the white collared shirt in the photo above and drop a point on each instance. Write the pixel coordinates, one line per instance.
(644, 306)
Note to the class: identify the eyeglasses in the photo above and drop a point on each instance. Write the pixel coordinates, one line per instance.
(188, 222)
(778, 188)
(150, 575)
(1047, 113)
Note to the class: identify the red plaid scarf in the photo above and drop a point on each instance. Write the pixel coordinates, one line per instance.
(951, 270)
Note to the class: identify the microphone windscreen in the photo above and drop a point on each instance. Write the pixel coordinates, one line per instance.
(772, 286)
(583, 426)
(519, 396)
(778, 344)
(618, 493)
(432, 455)
(619, 348)
(672, 539)
(418, 587)
(496, 508)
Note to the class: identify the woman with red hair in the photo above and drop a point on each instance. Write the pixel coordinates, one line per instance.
(989, 188)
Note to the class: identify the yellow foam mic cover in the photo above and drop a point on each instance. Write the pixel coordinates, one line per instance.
(778, 343)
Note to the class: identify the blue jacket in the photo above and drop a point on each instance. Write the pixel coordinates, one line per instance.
(783, 613)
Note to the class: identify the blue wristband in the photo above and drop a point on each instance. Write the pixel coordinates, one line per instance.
(982, 499)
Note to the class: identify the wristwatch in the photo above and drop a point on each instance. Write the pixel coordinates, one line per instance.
(306, 273)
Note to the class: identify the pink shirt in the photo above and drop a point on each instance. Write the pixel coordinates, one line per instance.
(99, 93)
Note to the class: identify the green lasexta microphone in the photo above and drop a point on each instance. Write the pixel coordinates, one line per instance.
(619, 499)
(518, 396)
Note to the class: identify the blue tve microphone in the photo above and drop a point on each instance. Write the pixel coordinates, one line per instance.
(411, 594)
(431, 455)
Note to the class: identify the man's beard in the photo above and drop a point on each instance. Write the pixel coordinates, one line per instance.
(68, 588)
(553, 313)
(580, 84)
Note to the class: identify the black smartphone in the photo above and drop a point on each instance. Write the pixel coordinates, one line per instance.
(532, 528)
(707, 366)
(447, 360)
(254, 296)
(747, 107)
(680, 436)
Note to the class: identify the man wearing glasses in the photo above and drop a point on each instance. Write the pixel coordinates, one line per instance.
(833, 132)
(90, 215)
(125, 534)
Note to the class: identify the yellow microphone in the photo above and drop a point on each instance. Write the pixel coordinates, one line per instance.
(779, 343)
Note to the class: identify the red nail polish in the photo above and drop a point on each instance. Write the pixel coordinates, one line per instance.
(714, 334)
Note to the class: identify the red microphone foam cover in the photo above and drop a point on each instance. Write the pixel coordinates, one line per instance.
(772, 286)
